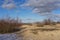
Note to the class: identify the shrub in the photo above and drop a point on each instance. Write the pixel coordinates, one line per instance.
(38, 24)
(49, 22)
(58, 22)
(9, 25)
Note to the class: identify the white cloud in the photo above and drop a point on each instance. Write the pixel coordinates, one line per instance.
(38, 6)
(9, 6)
(42, 6)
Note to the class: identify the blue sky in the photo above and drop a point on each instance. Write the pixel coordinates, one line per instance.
(25, 14)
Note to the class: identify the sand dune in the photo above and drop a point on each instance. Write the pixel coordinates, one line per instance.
(40, 35)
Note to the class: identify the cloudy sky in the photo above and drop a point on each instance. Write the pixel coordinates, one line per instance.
(30, 10)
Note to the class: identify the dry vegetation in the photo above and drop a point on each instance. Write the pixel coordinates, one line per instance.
(9, 25)
(46, 22)
(46, 30)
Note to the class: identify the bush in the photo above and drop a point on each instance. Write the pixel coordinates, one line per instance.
(49, 22)
(9, 25)
(38, 24)
(58, 22)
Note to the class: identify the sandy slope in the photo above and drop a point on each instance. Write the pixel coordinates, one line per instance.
(40, 35)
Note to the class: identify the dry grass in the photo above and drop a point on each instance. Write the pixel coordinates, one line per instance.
(38, 24)
(41, 33)
(9, 25)
(48, 31)
(45, 22)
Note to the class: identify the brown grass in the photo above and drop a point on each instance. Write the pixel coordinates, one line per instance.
(45, 22)
(41, 33)
(39, 24)
(49, 22)
(9, 25)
